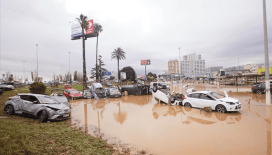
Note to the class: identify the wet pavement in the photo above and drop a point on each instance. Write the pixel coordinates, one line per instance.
(138, 123)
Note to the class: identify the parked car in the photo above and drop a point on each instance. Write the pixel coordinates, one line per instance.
(17, 84)
(113, 92)
(108, 84)
(220, 103)
(98, 89)
(8, 83)
(72, 94)
(6, 87)
(136, 89)
(87, 93)
(260, 88)
(37, 105)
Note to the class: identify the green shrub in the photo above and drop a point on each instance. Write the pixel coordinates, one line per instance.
(37, 88)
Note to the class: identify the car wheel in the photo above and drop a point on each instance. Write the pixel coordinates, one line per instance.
(220, 108)
(43, 116)
(9, 109)
(187, 104)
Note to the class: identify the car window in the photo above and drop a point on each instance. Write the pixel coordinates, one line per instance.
(205, 97)
(24, 97)
(46, 99)
(216, 95)
(194, 95)
(32, 98)
(74, 91)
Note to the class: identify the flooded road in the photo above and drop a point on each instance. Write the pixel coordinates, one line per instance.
(143, 123)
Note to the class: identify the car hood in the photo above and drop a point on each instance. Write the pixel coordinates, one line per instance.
(76, 94)
(229, 99)
(57, 106)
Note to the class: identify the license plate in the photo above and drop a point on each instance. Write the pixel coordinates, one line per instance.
(66, 115)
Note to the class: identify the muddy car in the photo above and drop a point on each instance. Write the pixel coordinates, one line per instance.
(58, 95)
(87, 94)
(136, 89)
(162, 94)
(98, 89)
(72, 94)
(113, 92)
(37, 105)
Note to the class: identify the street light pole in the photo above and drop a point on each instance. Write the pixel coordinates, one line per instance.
(179, 61)
(69, 68)
(24, 71)
(37, 64)
(266, 58)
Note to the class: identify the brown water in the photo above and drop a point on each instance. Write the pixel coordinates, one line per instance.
(143, 123)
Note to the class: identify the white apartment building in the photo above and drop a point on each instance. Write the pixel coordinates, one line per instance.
(193, 65)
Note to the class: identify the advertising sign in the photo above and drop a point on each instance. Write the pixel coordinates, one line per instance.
(107, 73)
(145, 62)
(90, 27)
(123, 75)
(76, 30)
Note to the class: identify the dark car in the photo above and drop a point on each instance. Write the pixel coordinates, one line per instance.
(136, 89)
(260, 88)
(113, 92)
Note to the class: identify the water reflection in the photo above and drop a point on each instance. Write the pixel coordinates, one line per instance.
(142, 122)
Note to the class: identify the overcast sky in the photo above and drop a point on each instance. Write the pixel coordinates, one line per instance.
(219, 30)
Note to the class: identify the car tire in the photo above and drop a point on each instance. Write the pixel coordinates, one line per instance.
(220, 108)
(155, 89)
(9, 110)
(187, 105)
(43, 116)
(258, 92)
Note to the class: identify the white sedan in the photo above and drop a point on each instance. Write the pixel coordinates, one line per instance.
(220, 103)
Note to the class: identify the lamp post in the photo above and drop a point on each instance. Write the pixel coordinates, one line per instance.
(69, 69)
(24, 71)
(266, 58)
(100, 74)
(37, 64)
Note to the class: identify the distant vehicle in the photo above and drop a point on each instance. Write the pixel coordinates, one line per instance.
(159, 85)
(108, 84)
(58, 95)
(260, 88)
(116, 81)
(98, 89)
(113, 92)
(8, 83)
(6, 87)
(136, 89)
(72, 94)
(67, 86)
(29, 82)
(37, 105)
(17, 84)
(87, 94)
(75, 82)
(220, 103)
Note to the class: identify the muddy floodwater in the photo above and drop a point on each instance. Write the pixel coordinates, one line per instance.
(144, 124)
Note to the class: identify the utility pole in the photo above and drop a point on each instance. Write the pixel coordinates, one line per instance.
(69, 69)
(24, 71)
(37, 64)
(179, 61)
(266, 58)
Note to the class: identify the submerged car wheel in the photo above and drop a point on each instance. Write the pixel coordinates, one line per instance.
(43, 116)
(9, 109)
(220, 108)
(187, 104)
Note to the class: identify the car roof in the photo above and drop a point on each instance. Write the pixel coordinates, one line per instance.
(31, 94)
(204, 92)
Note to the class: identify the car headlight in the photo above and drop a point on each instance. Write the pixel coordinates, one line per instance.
(58, 112)
(231, 103)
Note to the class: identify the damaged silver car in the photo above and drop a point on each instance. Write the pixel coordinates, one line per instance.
(37, 105)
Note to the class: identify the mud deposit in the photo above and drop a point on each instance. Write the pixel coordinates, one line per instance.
(140, 125)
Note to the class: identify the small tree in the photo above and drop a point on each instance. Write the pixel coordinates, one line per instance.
(37, 88)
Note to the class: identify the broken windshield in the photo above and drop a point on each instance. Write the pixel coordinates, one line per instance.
(46, 99)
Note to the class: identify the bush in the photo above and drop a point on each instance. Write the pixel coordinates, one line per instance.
(37, 88)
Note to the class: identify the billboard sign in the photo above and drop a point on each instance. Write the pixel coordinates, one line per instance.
(145, 62)
(123, 75)
(76, 30)
(90, 27)
(107, 73)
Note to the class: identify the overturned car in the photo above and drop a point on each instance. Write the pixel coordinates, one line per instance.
(98, 91)
(164, 95)
(40, 106)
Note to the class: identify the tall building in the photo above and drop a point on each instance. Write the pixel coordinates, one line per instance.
(173, 66)
(193, 65)
(211, 70)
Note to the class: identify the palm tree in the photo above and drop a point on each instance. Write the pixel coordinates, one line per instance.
(97, 29)
(84, 25)
(118, 54)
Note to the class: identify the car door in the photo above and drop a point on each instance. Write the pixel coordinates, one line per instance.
(205, 101)
(31, 105)
(194, 99)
